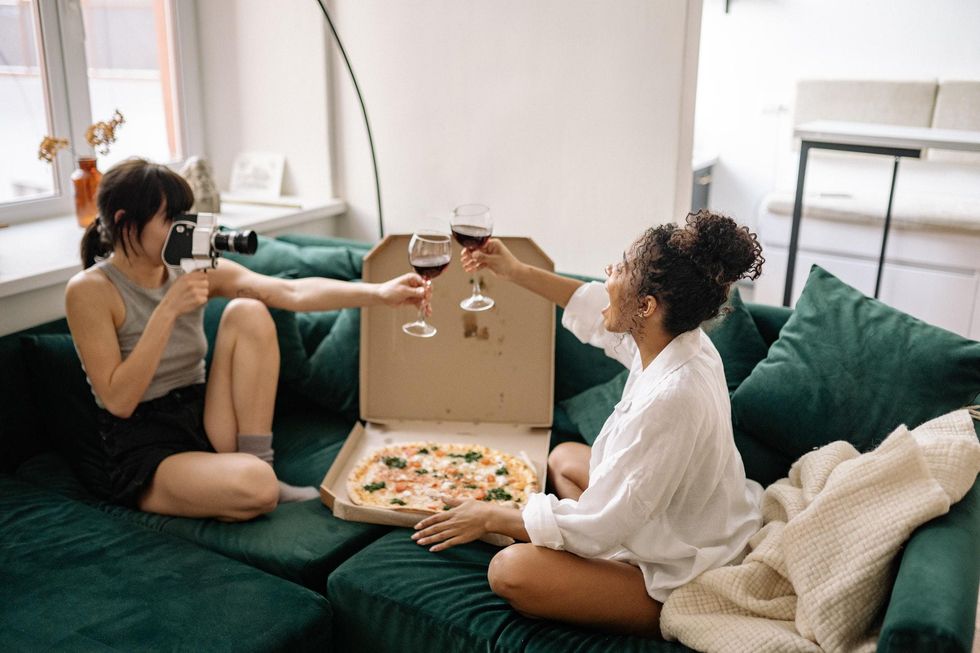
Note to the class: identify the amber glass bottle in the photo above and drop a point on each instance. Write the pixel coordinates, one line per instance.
(85, 179)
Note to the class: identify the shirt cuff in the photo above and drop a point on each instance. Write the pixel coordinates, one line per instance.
(540, 523)
(583, 313)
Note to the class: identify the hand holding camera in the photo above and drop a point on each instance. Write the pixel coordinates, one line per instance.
(188, 292)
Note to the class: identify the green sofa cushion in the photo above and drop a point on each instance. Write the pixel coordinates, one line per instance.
(309, 260)
(769, 320)
(846, 367)
(314, 327)
(762, 463)
(397, 596)
(578, 366)
(334, 366)
(738, 341)
(590, 409)
(307, 240)
(22, 432)
(302, 542)
(735, 336)
(933, 604)
(75, 579)
(56, 374)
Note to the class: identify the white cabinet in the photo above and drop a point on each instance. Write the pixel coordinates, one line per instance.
(930, 274)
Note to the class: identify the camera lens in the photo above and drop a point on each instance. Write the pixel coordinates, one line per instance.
(241, 242)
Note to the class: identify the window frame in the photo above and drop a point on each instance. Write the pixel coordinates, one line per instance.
(60, 29)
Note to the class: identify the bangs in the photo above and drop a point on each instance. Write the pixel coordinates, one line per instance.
(176, 193)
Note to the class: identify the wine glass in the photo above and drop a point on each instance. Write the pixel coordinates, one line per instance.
(429, 253)
(472, 226)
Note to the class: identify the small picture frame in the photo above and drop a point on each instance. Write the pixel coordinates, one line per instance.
(258, 174)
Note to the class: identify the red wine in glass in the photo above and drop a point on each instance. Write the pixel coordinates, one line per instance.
(471, 237)
(472, 225)
(430, 267)
(429, 253)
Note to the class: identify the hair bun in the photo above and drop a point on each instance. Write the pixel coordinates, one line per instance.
(719, 247)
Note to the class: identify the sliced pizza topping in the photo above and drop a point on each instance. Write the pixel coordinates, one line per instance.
(498, 494)
(469, 456)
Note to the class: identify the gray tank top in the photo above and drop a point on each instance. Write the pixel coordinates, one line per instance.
(182, 362)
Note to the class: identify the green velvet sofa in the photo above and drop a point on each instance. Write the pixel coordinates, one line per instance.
(80, 574)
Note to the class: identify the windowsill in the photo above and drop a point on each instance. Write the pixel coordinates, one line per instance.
(45, 253)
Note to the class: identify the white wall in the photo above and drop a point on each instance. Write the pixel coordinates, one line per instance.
(751, 58)
(571, 119)
(264, 79)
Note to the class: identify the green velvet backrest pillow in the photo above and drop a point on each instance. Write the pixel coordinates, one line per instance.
(847, 367)
(70, 420)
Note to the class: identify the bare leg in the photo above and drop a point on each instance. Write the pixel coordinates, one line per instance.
(547, 584)
(228, 486)
(241, 393)
(568, 469)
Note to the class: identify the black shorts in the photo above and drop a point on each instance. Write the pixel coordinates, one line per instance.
(135, 447)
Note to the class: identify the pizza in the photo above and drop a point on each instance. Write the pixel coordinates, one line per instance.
(417, 475)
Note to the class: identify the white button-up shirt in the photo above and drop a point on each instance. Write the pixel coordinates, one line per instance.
(667, 490)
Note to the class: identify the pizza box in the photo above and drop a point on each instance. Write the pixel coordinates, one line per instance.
(485, 378)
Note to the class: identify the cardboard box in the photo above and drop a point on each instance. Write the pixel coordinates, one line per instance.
(486, 377)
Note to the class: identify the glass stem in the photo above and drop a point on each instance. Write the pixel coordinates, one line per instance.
(424, 302)
(477, 291)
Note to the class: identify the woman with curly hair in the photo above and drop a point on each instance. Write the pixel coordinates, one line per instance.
(662, 494)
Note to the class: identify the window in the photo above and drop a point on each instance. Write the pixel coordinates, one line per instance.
(65, 64)
(23, 104)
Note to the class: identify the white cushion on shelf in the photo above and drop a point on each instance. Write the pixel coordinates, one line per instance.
(911, 210)
(957, 107)
(886, 102)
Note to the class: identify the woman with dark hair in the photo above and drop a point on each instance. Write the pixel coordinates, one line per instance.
(662, 494)
(173, 441)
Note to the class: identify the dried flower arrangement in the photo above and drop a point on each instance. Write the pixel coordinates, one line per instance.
(99, 135)
(50, 147)
(102, 134)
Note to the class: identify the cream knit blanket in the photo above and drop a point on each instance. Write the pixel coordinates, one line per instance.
(820, 569)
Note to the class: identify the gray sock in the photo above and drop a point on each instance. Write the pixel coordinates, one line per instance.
(260, 446)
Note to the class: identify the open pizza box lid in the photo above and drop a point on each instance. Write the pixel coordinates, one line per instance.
(485, 378)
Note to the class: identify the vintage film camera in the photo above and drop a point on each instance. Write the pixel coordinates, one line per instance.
(195, 242)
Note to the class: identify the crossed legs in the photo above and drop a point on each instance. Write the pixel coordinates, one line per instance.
(240, 398)
(547, 584)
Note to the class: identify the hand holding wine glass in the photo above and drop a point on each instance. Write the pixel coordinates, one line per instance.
(409, 288)
(472, 227)
(493, 256)
(429, 252)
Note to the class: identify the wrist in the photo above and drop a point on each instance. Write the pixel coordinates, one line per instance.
(491, 523)
(501, 519)
(375, 294)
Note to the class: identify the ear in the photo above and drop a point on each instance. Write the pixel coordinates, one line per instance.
(648, 306)
(117, 216)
